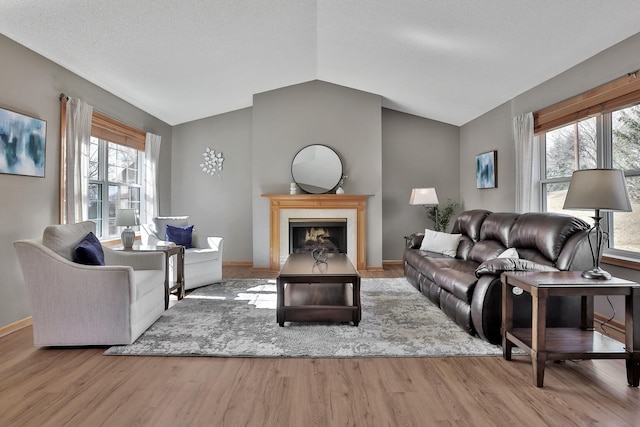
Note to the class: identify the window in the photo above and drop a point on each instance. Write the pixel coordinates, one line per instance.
(115, 181)
(606, 139)
(112, 166)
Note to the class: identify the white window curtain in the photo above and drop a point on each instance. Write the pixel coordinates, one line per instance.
(527, 164)
(151, 158)
(78, 137)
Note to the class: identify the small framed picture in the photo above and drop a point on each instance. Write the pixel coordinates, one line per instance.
(487, 170)
(22, 144)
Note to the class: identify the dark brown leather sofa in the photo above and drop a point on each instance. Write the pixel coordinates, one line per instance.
(467, 287)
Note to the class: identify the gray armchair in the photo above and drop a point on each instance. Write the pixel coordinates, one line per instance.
(74, 304)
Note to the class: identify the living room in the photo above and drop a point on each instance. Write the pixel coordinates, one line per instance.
(385, 153)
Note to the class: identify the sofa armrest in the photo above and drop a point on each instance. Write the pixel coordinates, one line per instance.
(137, 259)
(414, 241)
(207, 242)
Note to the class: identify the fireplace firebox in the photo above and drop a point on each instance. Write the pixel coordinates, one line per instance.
(307, 234)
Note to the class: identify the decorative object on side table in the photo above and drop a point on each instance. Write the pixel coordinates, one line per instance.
(293, 189)
(343, 179)
(429, 199)
(126, 218)
(601, 190)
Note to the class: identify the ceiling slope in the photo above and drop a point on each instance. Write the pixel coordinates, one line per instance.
(446, 60)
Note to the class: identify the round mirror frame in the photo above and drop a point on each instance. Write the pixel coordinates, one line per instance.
(319, 169)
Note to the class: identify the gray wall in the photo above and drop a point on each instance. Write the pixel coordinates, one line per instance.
(416, 152)
(258, 151)
(217, 206)
(493, 131)
(31, 84)
(286, 120)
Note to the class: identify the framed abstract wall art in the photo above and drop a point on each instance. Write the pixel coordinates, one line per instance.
(22, 144)
(487, 170)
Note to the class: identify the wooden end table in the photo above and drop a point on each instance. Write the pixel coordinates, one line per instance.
(309, 292)
(544, 343)
(169, 251)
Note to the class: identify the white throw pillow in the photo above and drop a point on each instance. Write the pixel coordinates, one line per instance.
(441, 243)
(509, 253)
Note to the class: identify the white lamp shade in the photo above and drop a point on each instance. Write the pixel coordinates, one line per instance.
(603, 189)
(126, 217)
(423, 196)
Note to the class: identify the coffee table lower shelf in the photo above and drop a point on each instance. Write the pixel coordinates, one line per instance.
(318, 313)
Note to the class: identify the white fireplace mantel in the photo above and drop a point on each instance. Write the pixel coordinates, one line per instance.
(283, 206)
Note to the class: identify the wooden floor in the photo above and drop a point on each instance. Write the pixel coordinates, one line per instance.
(81, 387)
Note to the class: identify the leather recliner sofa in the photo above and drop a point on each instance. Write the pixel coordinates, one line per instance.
(467, 287)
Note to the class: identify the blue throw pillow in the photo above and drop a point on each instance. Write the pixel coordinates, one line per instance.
(89, 251)
(179, 235)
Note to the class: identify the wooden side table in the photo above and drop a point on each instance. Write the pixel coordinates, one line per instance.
(544, 343)
(169, 251)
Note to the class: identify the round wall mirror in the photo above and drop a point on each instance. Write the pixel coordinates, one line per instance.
(316, 169)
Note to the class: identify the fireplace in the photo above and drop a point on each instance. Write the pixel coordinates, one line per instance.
(284, 207)
(307, 234)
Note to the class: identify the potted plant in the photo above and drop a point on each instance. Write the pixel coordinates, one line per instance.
(441, 214)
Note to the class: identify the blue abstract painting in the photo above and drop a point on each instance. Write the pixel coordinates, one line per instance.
(486, 170)
(22, 144)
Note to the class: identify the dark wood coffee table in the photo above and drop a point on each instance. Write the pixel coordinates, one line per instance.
(309, 292)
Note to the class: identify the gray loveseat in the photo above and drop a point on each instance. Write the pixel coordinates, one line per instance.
(467, 286)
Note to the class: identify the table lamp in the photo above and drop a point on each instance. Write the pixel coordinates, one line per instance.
(601, 190)
(424, 196)
(126, 218)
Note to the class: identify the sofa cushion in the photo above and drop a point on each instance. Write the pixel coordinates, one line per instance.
(63, 238)
(498, 266)
(459, 283)
(180, 235)
(428, 262)
(545, 233)
(160, 223)
(89, 251)
(470, 222)
(485, 249)
(497, 225)
(441, 243)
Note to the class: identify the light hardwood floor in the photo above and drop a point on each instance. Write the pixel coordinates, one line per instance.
(81, 387)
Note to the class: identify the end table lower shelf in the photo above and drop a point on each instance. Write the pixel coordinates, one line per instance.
(543, 343)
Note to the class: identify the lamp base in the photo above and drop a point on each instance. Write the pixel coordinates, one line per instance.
(596, 273)
(128, 236)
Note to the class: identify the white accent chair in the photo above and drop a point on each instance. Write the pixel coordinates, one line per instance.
(202, 262)
(74, 304)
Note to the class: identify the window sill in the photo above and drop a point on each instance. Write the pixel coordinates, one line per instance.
(619, 261)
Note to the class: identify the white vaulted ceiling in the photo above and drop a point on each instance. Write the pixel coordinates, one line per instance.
(448, 60)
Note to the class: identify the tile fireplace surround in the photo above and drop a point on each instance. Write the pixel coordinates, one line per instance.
(350, 206)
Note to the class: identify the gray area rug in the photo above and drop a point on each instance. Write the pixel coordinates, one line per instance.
(238, 319)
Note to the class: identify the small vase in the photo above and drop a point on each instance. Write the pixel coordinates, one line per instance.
(339, 190)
